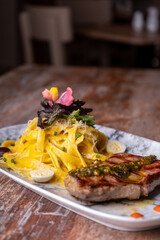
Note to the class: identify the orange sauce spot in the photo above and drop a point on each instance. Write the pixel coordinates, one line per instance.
(157, 208)
(136, 215)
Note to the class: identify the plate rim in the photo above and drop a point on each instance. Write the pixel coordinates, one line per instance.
(106, 216)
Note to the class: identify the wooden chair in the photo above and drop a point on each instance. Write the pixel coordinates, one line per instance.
(46, 23)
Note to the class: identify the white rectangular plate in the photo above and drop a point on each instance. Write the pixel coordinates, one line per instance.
(115, 214)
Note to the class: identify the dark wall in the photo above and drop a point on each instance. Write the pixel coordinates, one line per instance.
(9, 40)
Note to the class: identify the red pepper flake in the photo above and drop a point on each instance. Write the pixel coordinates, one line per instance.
(136, 215)
(157, 208)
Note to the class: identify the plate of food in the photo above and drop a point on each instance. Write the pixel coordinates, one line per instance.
(104, 174)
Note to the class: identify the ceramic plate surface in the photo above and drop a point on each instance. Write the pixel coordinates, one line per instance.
(115, 214)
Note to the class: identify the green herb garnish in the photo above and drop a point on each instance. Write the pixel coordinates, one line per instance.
(78, 134)
(63, 148)
(97, 156)
(13, 161)
(55, 133)
(4, 159)
(89, 120)
(149, 159)
(9, 168)
(88, 163)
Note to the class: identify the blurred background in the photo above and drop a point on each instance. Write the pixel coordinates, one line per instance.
(107, 33)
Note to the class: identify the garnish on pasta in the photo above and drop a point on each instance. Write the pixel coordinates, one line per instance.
(64, 107)
(60, 139)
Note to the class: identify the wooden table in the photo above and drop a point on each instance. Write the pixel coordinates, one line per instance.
(124, 99)
(120, 34)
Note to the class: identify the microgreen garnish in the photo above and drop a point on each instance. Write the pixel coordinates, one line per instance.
(55, 133)
(70, 109)
(63, 148)
(9, 168)
(50, 114)
(75, 106)
(78, 134)
(89, 120)
(4, 159)
(97, 156)
(13, 161)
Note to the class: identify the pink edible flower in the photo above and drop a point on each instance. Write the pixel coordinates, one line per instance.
(66, 98)
(46, 94)
(51, 95)
(50, 103)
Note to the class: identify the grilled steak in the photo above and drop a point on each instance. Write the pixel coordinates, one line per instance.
(120, 176)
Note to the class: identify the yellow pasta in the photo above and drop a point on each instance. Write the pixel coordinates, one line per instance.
(63, 146)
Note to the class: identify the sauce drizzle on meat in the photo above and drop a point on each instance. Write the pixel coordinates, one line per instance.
(121, 171)
(118, 182)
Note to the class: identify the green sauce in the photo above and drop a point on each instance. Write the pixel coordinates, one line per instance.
(150, 159)
(121, 171)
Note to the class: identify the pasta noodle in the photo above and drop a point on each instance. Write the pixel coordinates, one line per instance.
(65, 145)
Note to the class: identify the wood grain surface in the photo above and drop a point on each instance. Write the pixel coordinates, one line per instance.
(119, 33)
(128, 100)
